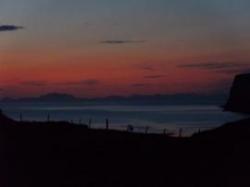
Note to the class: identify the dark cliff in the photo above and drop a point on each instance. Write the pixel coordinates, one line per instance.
(239, 100)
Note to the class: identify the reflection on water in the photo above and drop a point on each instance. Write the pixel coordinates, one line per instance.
(190, 118)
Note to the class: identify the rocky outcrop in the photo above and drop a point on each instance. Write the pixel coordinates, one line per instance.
(239, 100)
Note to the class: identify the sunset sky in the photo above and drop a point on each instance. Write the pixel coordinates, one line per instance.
(96, 48)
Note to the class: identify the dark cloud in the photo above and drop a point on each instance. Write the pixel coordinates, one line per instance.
(231, 68)
(214, 65)
(5, 28)
(34, 83)
(140, 85)
(151, 65)
(154, 76)
(88, 82)
(122, 41)
(235, 70)
(148, 68)
(144, 67)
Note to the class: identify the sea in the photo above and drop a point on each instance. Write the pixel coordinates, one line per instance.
(171, 119)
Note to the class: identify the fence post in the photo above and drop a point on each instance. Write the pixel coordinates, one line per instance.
(107, 124)
(180, 132)
(21, 117)
(48, 118)
(90, 122)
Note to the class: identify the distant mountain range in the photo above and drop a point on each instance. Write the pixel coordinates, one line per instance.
(214, 99)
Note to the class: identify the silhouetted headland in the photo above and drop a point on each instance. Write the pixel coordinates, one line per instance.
(239, 100)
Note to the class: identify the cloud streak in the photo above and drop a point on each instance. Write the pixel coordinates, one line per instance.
(235, 70)
(220, 67)
(214, 65)
(144, 67)
(140, 85)
(148, 68)
(6, 28)
(154, 76)
(34, 83)
(88, 82)
(117, 42)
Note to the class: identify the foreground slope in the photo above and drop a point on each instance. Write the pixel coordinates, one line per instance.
(62, 154)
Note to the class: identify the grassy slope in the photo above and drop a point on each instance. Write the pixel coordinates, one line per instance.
(61, 154)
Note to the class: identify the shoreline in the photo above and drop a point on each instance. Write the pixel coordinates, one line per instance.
(190, 119)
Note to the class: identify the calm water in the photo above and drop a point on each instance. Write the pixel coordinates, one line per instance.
(189, 118)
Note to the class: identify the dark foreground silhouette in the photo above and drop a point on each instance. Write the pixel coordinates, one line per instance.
(62, 154)
(239, 100)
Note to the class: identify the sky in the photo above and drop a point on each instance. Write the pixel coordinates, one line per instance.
(97, 48)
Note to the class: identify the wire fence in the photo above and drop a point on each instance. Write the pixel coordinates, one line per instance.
(177, 131)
